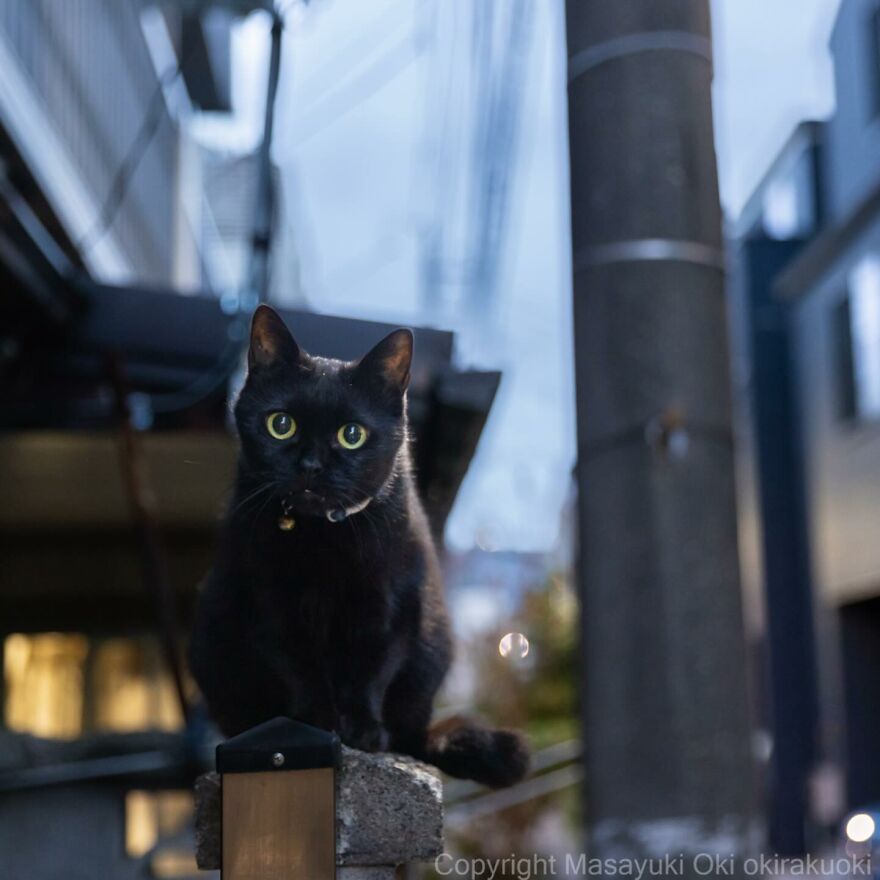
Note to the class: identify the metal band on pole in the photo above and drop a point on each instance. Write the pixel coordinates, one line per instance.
(632, 44)
(649, 249)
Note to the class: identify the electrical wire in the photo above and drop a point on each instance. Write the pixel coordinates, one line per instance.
(230, 357)
(131, 161)
(358, 90)
(154, 558)
(329, 75)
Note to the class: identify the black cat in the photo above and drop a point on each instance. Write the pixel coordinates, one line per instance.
(325, 602)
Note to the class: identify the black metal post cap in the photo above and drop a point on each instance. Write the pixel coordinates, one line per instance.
(277, 745)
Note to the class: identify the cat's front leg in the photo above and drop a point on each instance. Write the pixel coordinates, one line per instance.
(312, 699)
(360, 726)
(309, 692)
(317, 712)
(361, 695)
(363, 731)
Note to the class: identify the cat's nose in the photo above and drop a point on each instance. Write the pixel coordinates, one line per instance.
(311, 465)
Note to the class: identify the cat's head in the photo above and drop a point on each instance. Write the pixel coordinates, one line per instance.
(325, 433)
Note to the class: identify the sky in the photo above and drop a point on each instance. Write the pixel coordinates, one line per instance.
(371, 107)
(772, 70)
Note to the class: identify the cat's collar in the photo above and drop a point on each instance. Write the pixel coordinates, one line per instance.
(338, 514)
(287, 523)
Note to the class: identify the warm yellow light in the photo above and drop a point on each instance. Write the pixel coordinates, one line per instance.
(860, 828)
(62, 685)
(44, 683)
(141, 823)
(153, 816)
(173, 864)
(132, 689)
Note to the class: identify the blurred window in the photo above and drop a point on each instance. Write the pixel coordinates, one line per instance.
(44, 683)
(857, 320)
(157, 827)
(789, 208)
(63, 685)
(152, 815)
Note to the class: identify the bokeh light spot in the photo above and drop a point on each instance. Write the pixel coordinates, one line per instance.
(514, 645)
(860, 827)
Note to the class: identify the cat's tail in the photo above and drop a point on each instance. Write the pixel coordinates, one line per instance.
(462, 748)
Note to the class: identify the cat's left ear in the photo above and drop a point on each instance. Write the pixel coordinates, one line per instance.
(271, 341)
(390, 361)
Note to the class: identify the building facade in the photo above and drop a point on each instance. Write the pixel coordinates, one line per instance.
(91, 192)
(89, 99)
(807, 325)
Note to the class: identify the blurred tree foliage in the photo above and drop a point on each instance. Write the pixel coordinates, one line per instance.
(538, 693)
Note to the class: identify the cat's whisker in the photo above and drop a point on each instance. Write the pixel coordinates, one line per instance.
(345, 499)
(252, 496)
(257, 515)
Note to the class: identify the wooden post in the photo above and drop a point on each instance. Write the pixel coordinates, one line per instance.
(278, 809)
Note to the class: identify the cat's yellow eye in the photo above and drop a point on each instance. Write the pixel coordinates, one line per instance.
(281, 425)
(352, 436)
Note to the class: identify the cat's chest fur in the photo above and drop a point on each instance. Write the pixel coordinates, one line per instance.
(310, 587)
(323, 557)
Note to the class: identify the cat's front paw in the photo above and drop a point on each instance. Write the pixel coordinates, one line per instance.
(366, 736)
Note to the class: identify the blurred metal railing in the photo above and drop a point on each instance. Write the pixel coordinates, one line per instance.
(466, 801)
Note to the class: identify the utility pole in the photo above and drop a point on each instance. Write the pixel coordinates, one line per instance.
(665, 713)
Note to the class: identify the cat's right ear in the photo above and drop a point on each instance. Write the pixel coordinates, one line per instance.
(271, 341)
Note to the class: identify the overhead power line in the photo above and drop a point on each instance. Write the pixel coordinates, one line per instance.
(372, 79)
(131, 161)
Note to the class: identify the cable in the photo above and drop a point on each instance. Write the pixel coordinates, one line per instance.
(138, 148)
(358, 90)
(230, 357)
(131, 161)
(154, 558)
(374, 34)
